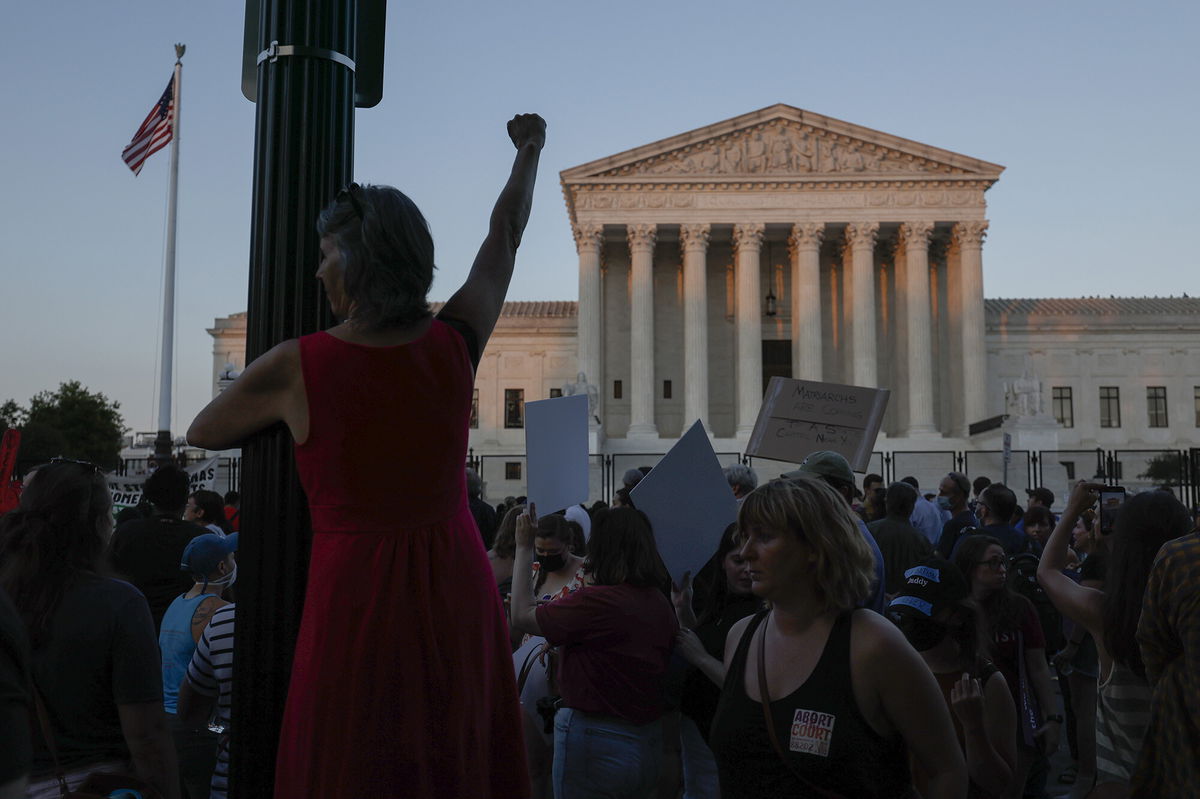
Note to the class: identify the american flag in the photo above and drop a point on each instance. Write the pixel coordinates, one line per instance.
(155, 132)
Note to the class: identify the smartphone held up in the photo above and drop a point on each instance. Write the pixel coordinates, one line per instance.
(1111, 500)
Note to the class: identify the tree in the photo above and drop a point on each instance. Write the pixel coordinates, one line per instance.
(87, 425)
(1165, 469)
(12, 415)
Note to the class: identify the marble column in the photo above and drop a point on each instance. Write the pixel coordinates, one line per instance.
(747, 240)
(919, 328)
(861, 238)
(805, 247)
(641, 331)
(589, 238)
(969, 237)
(693, 240)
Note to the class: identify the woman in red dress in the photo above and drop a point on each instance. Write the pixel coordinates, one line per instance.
(402, 683)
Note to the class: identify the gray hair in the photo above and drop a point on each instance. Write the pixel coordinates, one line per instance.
(741, 475)
(474, 483)
(632, 477)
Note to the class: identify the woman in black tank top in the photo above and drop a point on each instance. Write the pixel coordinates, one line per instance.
(849, 698)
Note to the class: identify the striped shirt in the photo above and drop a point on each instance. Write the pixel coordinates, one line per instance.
(1122, 715)
(211, 673)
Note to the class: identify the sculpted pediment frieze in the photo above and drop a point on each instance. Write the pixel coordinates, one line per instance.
(783, 143)
(783, 148)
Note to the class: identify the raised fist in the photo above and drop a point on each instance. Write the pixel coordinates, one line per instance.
(527, 129)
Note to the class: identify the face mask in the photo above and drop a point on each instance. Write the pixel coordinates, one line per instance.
(924, 634)
(225, 582)
(552, 563)
(943, 503)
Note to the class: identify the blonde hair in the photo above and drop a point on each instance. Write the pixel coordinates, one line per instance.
(809, 509)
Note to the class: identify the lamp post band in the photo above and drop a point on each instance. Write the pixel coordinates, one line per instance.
(276, 50)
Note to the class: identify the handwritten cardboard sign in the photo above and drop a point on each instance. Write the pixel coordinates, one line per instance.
(688, 501)
(556, 449)
(799, 417)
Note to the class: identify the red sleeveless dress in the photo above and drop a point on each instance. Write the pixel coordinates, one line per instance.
(402, 683)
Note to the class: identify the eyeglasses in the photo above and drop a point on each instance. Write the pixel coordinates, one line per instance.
(85, 464)
(995, 563)
(348, 193)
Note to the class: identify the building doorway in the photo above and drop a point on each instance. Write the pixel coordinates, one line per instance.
(776, 360)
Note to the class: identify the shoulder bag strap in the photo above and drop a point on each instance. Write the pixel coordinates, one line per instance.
(815, 790)
(48, 736)
(530, 658)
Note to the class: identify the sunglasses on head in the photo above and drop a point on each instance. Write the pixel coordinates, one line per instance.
(85, 464)
(350, 194)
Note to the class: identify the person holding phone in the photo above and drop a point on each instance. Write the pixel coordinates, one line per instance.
(1140, 528)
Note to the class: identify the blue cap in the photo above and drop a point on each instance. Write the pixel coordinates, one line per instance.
(204, 552)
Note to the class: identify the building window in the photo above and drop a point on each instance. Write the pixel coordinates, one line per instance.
(514, 407)
(1069, 468)
(475, 409)
(1196, 399)
(666, 389)
(1110, 406)
(616, 389)
(1064, 409)
(1156, 405)
(512, 470)
(555, 392)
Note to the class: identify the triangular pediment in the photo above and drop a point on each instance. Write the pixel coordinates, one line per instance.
(782, 143)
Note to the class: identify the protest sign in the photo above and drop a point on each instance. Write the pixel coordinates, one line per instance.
(688, 501)
(556, 452)
(799, 417)
(126, 490)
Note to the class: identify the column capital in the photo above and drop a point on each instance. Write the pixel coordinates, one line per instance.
(970, 234)
(916, 234)
(694, 237)
(588, 236)
(749, 235)
(642, 236)
(806, 235)
(862, 234)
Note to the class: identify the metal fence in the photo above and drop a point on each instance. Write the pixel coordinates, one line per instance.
(1136, 469)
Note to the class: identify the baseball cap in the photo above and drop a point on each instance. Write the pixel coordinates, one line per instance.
(824, 463)
(928, 587)
(1042, 494)
(204, 552)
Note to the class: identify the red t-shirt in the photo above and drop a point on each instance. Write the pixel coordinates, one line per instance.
(1007, 647)
(615, 642)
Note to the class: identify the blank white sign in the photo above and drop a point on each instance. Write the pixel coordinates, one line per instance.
(689, 502)
(556, 452)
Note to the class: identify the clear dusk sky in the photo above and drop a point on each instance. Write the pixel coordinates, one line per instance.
(1090, 106)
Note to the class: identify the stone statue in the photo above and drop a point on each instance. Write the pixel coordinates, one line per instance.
(757, 153)
(1025, 394)
(582, 386)
(802, 158)
(855, 161)
(781, 152)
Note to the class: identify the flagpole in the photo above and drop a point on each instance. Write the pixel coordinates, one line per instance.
(163, 441)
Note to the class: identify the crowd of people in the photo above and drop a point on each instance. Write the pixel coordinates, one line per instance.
(843, 638)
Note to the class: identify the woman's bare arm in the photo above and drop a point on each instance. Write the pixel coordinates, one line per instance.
(1077, 602)
(989, 723)
(524, 607)
(480, 299)
(144, 727)
(911, 702)
(270, 390)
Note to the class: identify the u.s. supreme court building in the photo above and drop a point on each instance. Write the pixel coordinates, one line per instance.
(782, 242)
